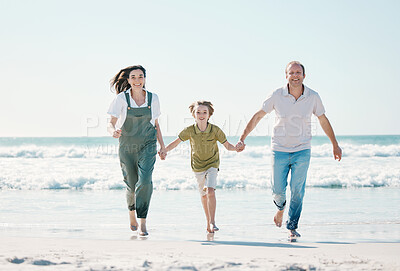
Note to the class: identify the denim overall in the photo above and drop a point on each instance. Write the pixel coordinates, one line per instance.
(137, 154)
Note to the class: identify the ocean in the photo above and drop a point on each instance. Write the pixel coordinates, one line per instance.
(92, 164)
(73, 188)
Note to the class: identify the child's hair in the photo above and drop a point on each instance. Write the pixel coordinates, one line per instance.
(205, 103)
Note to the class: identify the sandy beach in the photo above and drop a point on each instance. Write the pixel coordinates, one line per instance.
(77, 219)
(140, 254)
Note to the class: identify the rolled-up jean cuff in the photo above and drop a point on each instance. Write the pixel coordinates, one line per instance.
(132, 208)
(280, 207)
(291, 225)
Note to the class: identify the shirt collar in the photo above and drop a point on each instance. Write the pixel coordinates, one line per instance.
(197, 130)
(129, 91)
(285, 91)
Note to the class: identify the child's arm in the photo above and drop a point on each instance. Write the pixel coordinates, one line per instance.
(173, 144)
(229, 146)
(170, 147)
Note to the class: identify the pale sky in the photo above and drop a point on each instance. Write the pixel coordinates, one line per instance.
(57, 57)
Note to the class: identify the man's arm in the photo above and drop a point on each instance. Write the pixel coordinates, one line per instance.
(250, 127)
(326, 126)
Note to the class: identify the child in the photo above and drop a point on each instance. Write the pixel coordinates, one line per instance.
(203, 138)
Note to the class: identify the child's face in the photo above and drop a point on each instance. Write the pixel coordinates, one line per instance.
(201, 114)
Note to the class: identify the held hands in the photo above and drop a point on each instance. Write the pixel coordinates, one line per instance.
(162, 153)
(117, 133)
(240, 146)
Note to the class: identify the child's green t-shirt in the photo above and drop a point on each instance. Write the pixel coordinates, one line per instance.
(204, 147)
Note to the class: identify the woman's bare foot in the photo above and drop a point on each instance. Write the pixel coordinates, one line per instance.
(278, 218)
(132, 219)
(143, 229)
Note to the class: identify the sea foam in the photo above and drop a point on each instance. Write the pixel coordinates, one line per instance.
(103, 151)
(96, 167)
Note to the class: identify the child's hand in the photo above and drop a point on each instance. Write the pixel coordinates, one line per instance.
(240, 146)
(162, 153)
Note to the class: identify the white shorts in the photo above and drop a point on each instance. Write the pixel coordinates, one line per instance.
(206, 179)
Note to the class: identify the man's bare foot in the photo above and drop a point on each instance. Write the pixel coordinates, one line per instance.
(143, 229)
(278, 218)
(294, 233)
(132, 219)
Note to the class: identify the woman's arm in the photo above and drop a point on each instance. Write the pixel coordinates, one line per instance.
(159, 136)
(111, 128)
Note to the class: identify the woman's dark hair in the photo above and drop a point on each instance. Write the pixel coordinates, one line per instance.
(120, 81)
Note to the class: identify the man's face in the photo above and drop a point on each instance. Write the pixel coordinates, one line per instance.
(295, 76)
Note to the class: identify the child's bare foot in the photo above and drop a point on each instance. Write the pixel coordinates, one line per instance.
(209, 227)
(278, 218)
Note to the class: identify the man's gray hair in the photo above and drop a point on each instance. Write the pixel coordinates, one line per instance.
(295, 62)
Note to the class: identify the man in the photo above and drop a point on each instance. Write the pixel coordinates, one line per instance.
(291, 141)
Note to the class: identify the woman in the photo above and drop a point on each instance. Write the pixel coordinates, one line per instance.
(134, 120)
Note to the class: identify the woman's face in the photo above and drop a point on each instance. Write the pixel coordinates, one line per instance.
(136, 79)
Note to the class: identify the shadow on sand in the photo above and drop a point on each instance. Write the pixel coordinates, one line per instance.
(335, 243)
(252, 244)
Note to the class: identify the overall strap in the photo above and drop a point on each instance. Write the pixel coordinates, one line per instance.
(128, 100)
(149, 98)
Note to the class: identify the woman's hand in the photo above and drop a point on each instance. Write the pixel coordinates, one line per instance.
(117, 133)
(162, 153)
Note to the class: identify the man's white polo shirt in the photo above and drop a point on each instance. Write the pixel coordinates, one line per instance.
(292, 129)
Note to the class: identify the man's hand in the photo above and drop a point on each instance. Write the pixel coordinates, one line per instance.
(337, 153)
(240, 146)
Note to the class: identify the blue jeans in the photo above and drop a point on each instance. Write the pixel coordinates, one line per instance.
(297, 163)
